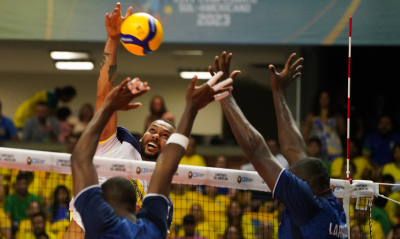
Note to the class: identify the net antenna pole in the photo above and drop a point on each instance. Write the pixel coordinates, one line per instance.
(348, 107)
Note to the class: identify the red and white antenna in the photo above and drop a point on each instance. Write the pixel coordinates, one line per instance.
(348, 107)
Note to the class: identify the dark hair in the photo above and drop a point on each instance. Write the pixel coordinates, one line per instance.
(396, 227)
(56, 204)
(63, 113)
(39, 214)
(230, 219)
(380, 201)
(314, 140)
(316, 107)
(120, 191)
(393, 149)
(163, 107)
(42, 103)
(83, 106)
(168, 122)
(66, 91)
(315, 171)
(388, 177)
(189, 220)
(227, 229)
(22, 176)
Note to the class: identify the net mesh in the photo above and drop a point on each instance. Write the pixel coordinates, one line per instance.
(211, 207)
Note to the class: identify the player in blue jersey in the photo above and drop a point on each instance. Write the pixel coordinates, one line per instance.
(108, 211)
(311, 209)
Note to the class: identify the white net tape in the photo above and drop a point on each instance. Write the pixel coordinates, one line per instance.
(32, 160)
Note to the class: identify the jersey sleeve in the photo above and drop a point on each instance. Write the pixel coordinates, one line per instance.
(297, 197)
(155, 210)
(97, 215)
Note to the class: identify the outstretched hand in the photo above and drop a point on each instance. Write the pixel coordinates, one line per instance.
(121, 96)
(198, 97)
(115, 19)
(280, 81)
(224, 67)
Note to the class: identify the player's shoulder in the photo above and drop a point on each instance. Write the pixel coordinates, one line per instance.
(123, 135)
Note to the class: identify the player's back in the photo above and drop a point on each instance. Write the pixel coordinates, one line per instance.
(129, 230)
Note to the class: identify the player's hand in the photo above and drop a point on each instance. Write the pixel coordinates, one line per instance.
(114, 21)
(121, 96)
(224, 67)
(197, 97)
(280, 81)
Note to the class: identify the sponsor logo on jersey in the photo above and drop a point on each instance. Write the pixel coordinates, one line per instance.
(241, 179)
(30, 161)
(7, 158)
(118, 167)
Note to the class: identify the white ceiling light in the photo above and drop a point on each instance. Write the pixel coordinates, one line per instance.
(75, 65)
(187, 52)
(201, 75)
(69, 55)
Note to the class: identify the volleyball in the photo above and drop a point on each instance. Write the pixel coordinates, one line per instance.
(141, 34)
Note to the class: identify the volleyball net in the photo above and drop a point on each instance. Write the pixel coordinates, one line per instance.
(211, 203)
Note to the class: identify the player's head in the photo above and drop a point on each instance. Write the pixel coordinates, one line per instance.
(154, 139)
(157, 106)
(313, 172)
(120, 194)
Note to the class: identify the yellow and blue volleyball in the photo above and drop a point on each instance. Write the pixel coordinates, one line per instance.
(141, 33)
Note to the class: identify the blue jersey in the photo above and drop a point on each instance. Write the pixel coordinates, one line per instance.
(101, 221)
(306, 215)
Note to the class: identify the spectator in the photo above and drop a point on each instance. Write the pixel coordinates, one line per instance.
(232, 232)
(25, 225)
(394, 233)
(378, 145)
(16, 205)
(189, 225)
(70, 143)
(190, 157)
(378, 109)
(52, 182)
(361, 217)
(326, 124)
(221, 162)
(352, 170)
(242, 222)
(60, 208)
(266, 230)
(274, 148)
(356, 232)
(43, 235)
(158, 110)
(38, 228)
(202, 228)
(394, 167)
(85, 115)
(390, 207)
(50, 97)
(7, 128)
(364, 168)
(314, 150)
(42, 127)
(215, 207)
(65, 128)
(5, 225)
(379, 214)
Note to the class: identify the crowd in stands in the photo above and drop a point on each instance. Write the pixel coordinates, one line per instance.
(36, 204)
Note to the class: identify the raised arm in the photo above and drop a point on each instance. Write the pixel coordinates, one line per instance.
(83, 171)
(196, 99)
(249, 139)
(108, 65)
(290, 139)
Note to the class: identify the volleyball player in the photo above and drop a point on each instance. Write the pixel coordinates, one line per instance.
(108, 211)
(311, 209)
(117, 142)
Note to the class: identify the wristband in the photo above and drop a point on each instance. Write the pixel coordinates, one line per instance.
(180, 139)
